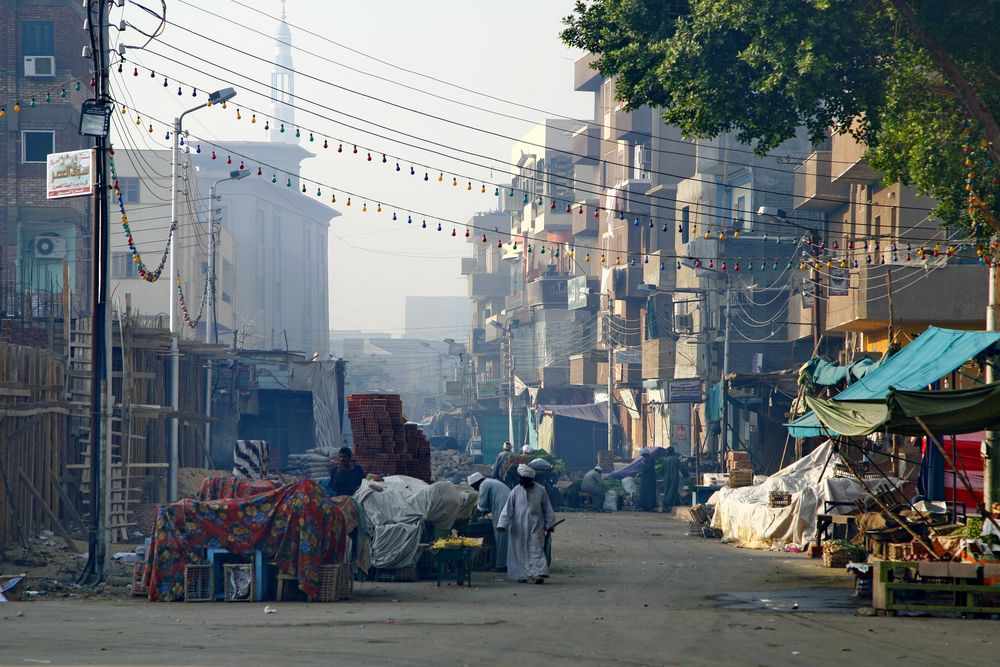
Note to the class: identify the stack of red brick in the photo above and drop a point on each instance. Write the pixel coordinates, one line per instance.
(384, 443)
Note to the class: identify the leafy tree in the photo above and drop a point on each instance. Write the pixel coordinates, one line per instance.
(916, 80)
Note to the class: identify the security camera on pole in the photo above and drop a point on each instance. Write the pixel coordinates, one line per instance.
(218, 97)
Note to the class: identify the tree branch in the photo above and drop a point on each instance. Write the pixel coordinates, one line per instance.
(967, 93)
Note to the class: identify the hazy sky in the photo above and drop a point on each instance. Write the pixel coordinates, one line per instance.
(508, 49)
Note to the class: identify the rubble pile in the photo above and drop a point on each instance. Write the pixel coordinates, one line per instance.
(451, 465)
(384, 442)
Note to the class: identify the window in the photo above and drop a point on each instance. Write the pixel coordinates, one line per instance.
(130, 189)
(741, 204)
(122, 266)
(36, 146)
(685, 224)
(36, 38)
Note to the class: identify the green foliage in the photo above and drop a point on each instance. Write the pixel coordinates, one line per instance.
(558, 465)
(612, 484)
(763, 68)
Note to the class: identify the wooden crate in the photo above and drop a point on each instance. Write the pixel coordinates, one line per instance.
(238, 582)
(899, 550)
(345, 582)
(779, 499)
(740, 478)
(199, 584)
(835, 555)
(139, 589)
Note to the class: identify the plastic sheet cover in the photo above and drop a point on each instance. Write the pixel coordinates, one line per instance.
(745, 518)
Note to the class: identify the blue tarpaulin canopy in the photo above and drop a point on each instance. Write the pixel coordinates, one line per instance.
(930, 357)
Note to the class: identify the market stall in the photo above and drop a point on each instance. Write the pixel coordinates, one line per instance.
(296, 527)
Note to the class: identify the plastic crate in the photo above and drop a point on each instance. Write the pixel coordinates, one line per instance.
(779, 499)
(238, 582)
(198, 583)
(329, 583)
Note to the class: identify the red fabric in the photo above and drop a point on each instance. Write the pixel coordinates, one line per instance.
(297, 526)
(222, 488)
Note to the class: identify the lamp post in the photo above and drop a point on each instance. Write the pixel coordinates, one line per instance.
(211, 335)
(508, 340)
(218, 97)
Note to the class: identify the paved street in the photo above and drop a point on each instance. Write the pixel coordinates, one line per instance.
(628, 589)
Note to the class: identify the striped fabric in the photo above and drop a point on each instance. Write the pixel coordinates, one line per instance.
(250, 459)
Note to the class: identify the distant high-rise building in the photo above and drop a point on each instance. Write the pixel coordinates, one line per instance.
(283, 84)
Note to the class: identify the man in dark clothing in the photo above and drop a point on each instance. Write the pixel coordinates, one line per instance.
(345, 474)
(672, 471)
(647, 483)
(503, 461)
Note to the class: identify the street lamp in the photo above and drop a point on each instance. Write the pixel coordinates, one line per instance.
(218, 97)
(211, 333)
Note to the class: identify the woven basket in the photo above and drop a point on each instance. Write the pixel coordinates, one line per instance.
(329, 583)
(835, 555)
(397, 575)
(740, 478)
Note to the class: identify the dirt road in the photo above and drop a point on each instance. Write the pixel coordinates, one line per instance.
(626, 589)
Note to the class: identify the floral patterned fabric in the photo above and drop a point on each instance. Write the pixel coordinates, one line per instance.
(221, 488)
(296, 526)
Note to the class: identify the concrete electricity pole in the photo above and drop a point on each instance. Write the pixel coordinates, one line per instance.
(991, 475)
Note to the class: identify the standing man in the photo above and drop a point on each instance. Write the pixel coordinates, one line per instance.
(503, 460)
(593, 485)
(647, 483)
(672, 470)
(492, 497)
(529, 517)
(345, 474)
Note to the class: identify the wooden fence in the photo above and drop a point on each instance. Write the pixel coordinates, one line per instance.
(34, 441)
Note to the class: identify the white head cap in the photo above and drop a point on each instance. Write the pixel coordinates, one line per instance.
(475, 477)
(525, 471)
(526, 449)
(598, 469)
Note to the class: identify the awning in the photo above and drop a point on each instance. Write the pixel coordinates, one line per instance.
(943, 412)
(933, 354)
(594, 412)
(828, 374)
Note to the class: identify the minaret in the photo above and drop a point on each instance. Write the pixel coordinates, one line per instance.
(283, 84)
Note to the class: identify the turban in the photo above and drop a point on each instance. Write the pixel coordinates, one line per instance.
(475, 477)
(525, 471)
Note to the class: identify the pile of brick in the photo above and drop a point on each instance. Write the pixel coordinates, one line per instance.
(384, 443)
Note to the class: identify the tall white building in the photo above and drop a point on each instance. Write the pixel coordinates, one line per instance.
(280, 292)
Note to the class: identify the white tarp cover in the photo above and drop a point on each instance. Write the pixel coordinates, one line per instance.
(397, 512)
(745, 518)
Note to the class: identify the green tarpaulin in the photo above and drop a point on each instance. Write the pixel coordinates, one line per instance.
(943, 412)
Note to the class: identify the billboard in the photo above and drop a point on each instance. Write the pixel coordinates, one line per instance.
(577, 292)
(491, 389)
(684, 391)
(69, 174)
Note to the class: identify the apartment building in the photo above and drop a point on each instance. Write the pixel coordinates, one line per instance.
(44, 79)
(886, 254)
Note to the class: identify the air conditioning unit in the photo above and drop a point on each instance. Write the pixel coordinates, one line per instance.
(50, 246)
(39, 66)
(684, 321)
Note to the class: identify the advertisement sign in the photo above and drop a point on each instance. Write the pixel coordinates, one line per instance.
(684, 391)
(577, 292)
(491, 389)
(69, 174)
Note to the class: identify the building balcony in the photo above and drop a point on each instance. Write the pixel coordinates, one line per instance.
(546, 292)
(587, 144)
(709, 158)
(657, 359)
(814, 191)
(915, 300)
(637, 124)
(625, 282)
(586, 78)
(468, 266)
(848, 161)
(488, 285)
(585, 224)
(544, 218)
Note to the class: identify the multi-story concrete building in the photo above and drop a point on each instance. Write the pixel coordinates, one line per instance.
(44, 78)
(879, 240)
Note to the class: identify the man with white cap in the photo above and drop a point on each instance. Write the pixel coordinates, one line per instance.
(593, 486)
(503, 458)
(527, 516)
(492, 497)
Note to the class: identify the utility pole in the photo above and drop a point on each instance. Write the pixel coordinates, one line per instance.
(96, 550)
(991, 475)
(509, 337)
(724, 424)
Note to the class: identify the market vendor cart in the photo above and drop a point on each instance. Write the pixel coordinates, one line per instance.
(453, 557)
